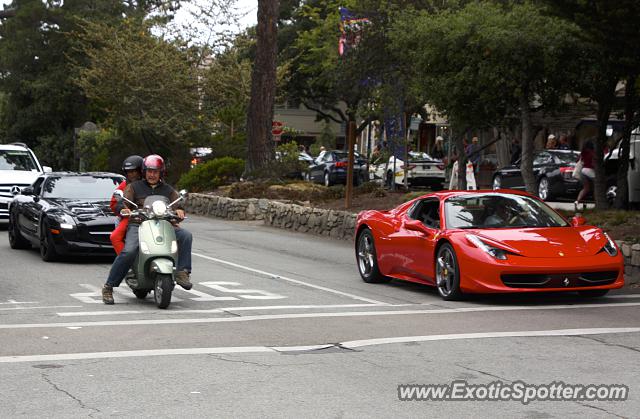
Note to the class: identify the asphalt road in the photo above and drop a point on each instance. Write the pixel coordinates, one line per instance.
(279, 324)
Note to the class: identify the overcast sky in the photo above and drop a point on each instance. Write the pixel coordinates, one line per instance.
(248, 8)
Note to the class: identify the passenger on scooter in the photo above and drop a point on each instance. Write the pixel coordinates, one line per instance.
(151, 184)
(132, 169)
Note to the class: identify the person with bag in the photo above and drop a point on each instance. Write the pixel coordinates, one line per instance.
(586, 172)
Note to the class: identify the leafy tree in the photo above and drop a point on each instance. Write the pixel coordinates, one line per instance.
(610, 33)
(145, 86)
(486, 62)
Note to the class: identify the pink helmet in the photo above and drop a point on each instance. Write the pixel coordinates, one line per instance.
(154, 162)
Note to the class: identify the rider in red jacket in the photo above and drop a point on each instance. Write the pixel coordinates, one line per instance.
(132, 168)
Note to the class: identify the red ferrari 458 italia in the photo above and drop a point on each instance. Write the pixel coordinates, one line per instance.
(486, 242)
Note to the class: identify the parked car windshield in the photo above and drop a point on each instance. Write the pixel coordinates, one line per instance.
(417, 155)
(17, 160)
(499, 211)
(80, 187)
(567, 157)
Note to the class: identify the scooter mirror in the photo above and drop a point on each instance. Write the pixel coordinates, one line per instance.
(183, 193)
(118, 193)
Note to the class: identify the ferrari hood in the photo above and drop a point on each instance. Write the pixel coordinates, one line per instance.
(547, 242)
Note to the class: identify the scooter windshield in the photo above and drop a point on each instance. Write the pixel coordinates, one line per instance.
(148, 201)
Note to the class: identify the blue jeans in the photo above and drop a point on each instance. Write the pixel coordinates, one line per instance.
(125, 259)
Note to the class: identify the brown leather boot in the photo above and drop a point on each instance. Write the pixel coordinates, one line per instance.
(107, 294)
(182, 279)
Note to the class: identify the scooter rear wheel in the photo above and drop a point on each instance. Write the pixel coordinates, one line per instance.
(162, 290)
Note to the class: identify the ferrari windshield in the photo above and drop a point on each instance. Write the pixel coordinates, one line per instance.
(17, 160)
(499, 211)
(80, 187)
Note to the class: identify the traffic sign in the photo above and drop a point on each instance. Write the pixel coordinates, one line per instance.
(276, 128)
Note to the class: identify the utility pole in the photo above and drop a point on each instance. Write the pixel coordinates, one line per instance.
(351, 134)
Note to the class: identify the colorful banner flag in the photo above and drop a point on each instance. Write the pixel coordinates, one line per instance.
(351, 28)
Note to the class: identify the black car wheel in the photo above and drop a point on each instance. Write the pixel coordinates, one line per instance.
(16, 239)
(497, 182)
(447, 273)
(367, 259)
(47, 249)
(544, 188)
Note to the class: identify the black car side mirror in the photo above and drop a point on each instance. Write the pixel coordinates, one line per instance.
(27, 190)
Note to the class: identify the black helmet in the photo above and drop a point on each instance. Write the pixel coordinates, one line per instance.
(132, 163)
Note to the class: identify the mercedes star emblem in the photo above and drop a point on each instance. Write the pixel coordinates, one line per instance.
(15, 190)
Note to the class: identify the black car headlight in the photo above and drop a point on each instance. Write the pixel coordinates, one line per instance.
(65, 221)
(495, 252)
(610, 247)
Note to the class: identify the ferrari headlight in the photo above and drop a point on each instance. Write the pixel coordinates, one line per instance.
(490, 250)
(610, 247)
(159, 208)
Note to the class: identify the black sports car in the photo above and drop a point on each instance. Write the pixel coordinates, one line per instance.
(553, 170)
(65, 213)
(330, 167)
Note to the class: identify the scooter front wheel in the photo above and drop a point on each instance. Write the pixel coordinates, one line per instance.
(162, 290)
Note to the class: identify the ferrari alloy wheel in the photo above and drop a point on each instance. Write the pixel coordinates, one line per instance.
(447, 273)
(592, 293)
(47, 248)
(543, 189)
(367, 260)
(497, 182)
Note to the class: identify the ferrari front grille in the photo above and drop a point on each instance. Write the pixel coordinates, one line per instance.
(559, 280)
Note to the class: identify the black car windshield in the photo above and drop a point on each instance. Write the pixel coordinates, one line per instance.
(80, 187)
(567, 157)
(499, 211)
(17, 160)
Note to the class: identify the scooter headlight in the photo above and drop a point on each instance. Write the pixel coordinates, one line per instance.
(174, 246)
(159, 208)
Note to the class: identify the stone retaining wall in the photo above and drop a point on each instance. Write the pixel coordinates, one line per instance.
(337, 224)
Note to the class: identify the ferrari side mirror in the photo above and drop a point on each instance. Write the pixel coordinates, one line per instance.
(416, 225)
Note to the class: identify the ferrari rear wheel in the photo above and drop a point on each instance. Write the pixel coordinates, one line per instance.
(593, 293)
(367, 259)
(447, 273)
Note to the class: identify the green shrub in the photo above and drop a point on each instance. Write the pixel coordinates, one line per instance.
(212, 174)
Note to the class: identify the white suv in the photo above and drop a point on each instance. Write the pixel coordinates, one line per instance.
(19, 167)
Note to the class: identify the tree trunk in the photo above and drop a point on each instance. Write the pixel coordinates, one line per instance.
(260, 147)
(605, 104)
(526, 165)
(630, 99)
(462, 160)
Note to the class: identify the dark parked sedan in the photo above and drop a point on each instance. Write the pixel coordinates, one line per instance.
(330, 167)
(64, 213)
(553, 170)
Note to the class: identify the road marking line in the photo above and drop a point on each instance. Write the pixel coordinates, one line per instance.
(264, 317)
(457, 336)
(624, 296)
(36, 308)
(307, 348)
(19, 302)
(223, 309)
(294, 281)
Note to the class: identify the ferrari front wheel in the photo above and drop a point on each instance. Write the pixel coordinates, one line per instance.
(367, 259)
(447, 273)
